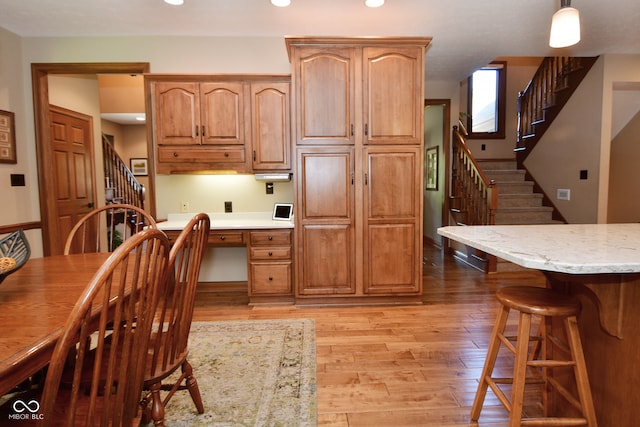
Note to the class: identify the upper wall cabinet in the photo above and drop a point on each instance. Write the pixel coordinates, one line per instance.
(212, 123)
(347, 91)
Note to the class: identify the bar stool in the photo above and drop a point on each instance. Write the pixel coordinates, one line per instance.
(548, 303)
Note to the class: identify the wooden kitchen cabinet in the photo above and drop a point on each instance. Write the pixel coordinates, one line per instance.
(326, 221)
(270, 266)
(220, 122)
(271, 126)
(358, 105)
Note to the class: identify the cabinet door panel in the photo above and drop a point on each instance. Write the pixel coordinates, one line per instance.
(393, 97)
(271, 134)
(223, 113)
(176, 113)
(327, 265)
(393, 183)
(325, 98)
(392, 265)
(325, 182)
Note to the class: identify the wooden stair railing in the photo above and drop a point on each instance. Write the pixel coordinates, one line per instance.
(119, 179)
(474, 197)
(548, 91)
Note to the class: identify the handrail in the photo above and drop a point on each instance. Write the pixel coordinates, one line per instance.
(119, 179)
(474, 196)
(550, 88)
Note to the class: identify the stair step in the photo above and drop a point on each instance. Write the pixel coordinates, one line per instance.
(515, 187)
(498, 164)
(525, 215)
(519, 200)
(505, 175)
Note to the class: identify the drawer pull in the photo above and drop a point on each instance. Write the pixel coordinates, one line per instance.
(270, 237)
(270, 253)
(226, 154)
(222, 237)
(270, 278)
(175, 154)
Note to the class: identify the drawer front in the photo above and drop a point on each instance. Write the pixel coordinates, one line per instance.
(227, 238)
(200, 155)
(274, 237)
(270, 253)
(270, 278)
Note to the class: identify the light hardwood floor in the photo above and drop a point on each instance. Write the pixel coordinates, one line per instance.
(410, 365)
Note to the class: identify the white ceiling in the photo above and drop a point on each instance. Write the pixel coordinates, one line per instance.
(466, 33)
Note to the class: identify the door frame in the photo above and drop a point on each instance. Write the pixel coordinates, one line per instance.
(40, 86)
(446, 152)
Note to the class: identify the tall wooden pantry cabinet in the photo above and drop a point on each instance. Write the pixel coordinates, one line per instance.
(358, 132)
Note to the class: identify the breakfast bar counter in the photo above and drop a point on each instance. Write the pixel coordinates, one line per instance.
(600, 263)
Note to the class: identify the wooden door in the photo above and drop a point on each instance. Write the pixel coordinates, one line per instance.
(393, 219)
(325, 97)
(270, 126)
(176, 113)
(223, 115)
(325, 206)
(393, 95)
(72, 156)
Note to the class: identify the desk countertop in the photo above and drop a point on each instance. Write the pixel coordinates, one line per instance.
(565, 248)
(227, 221)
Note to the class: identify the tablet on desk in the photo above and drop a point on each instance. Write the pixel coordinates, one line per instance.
(283, 211)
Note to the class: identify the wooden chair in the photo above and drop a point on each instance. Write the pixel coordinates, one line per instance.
(533, 301)
(169, 341)
(103, 229)
(14, 253)
(126, 289)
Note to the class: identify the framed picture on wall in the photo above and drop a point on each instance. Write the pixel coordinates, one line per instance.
(431, 168)
(139, 167)
(7, 137)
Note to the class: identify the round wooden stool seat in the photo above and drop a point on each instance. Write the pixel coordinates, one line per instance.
(539, 301)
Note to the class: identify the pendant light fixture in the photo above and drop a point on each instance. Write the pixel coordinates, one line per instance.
(281, 3)
(565, 26)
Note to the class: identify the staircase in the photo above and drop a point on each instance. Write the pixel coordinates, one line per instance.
(518, 203)
(121, 185)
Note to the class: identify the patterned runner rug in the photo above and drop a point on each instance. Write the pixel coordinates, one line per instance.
(251, 373)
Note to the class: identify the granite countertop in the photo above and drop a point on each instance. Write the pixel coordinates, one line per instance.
(565, 248)
(227, 221)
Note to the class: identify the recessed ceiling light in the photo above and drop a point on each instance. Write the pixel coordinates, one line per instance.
(281, 3)
(374, 3)
(174, 2)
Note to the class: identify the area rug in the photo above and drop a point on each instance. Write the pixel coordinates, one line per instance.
(250, 373)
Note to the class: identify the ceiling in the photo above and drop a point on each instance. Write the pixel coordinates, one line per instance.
(467, 34)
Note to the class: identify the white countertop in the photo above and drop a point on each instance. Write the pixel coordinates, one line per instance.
(226, 221)
(565, 248)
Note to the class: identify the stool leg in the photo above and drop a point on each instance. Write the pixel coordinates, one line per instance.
(580, 369)
(492, 354)
(520, 369)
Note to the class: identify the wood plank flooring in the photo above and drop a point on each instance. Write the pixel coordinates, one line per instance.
(412, 365)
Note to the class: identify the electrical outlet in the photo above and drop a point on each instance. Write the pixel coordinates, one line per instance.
(228, 207)
(184, 207)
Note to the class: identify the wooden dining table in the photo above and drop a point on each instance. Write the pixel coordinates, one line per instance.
(35, 302)
(600, 264)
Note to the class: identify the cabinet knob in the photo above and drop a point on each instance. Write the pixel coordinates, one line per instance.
(226, 154)
(175, 154)
(270, 237)
(221, 237)
(270, 278)
(270, 253)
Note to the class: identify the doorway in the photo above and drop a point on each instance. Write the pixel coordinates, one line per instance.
(437, 147)
(51, 232)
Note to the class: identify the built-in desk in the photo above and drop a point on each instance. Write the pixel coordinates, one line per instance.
(600, 263)
(269, 253)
